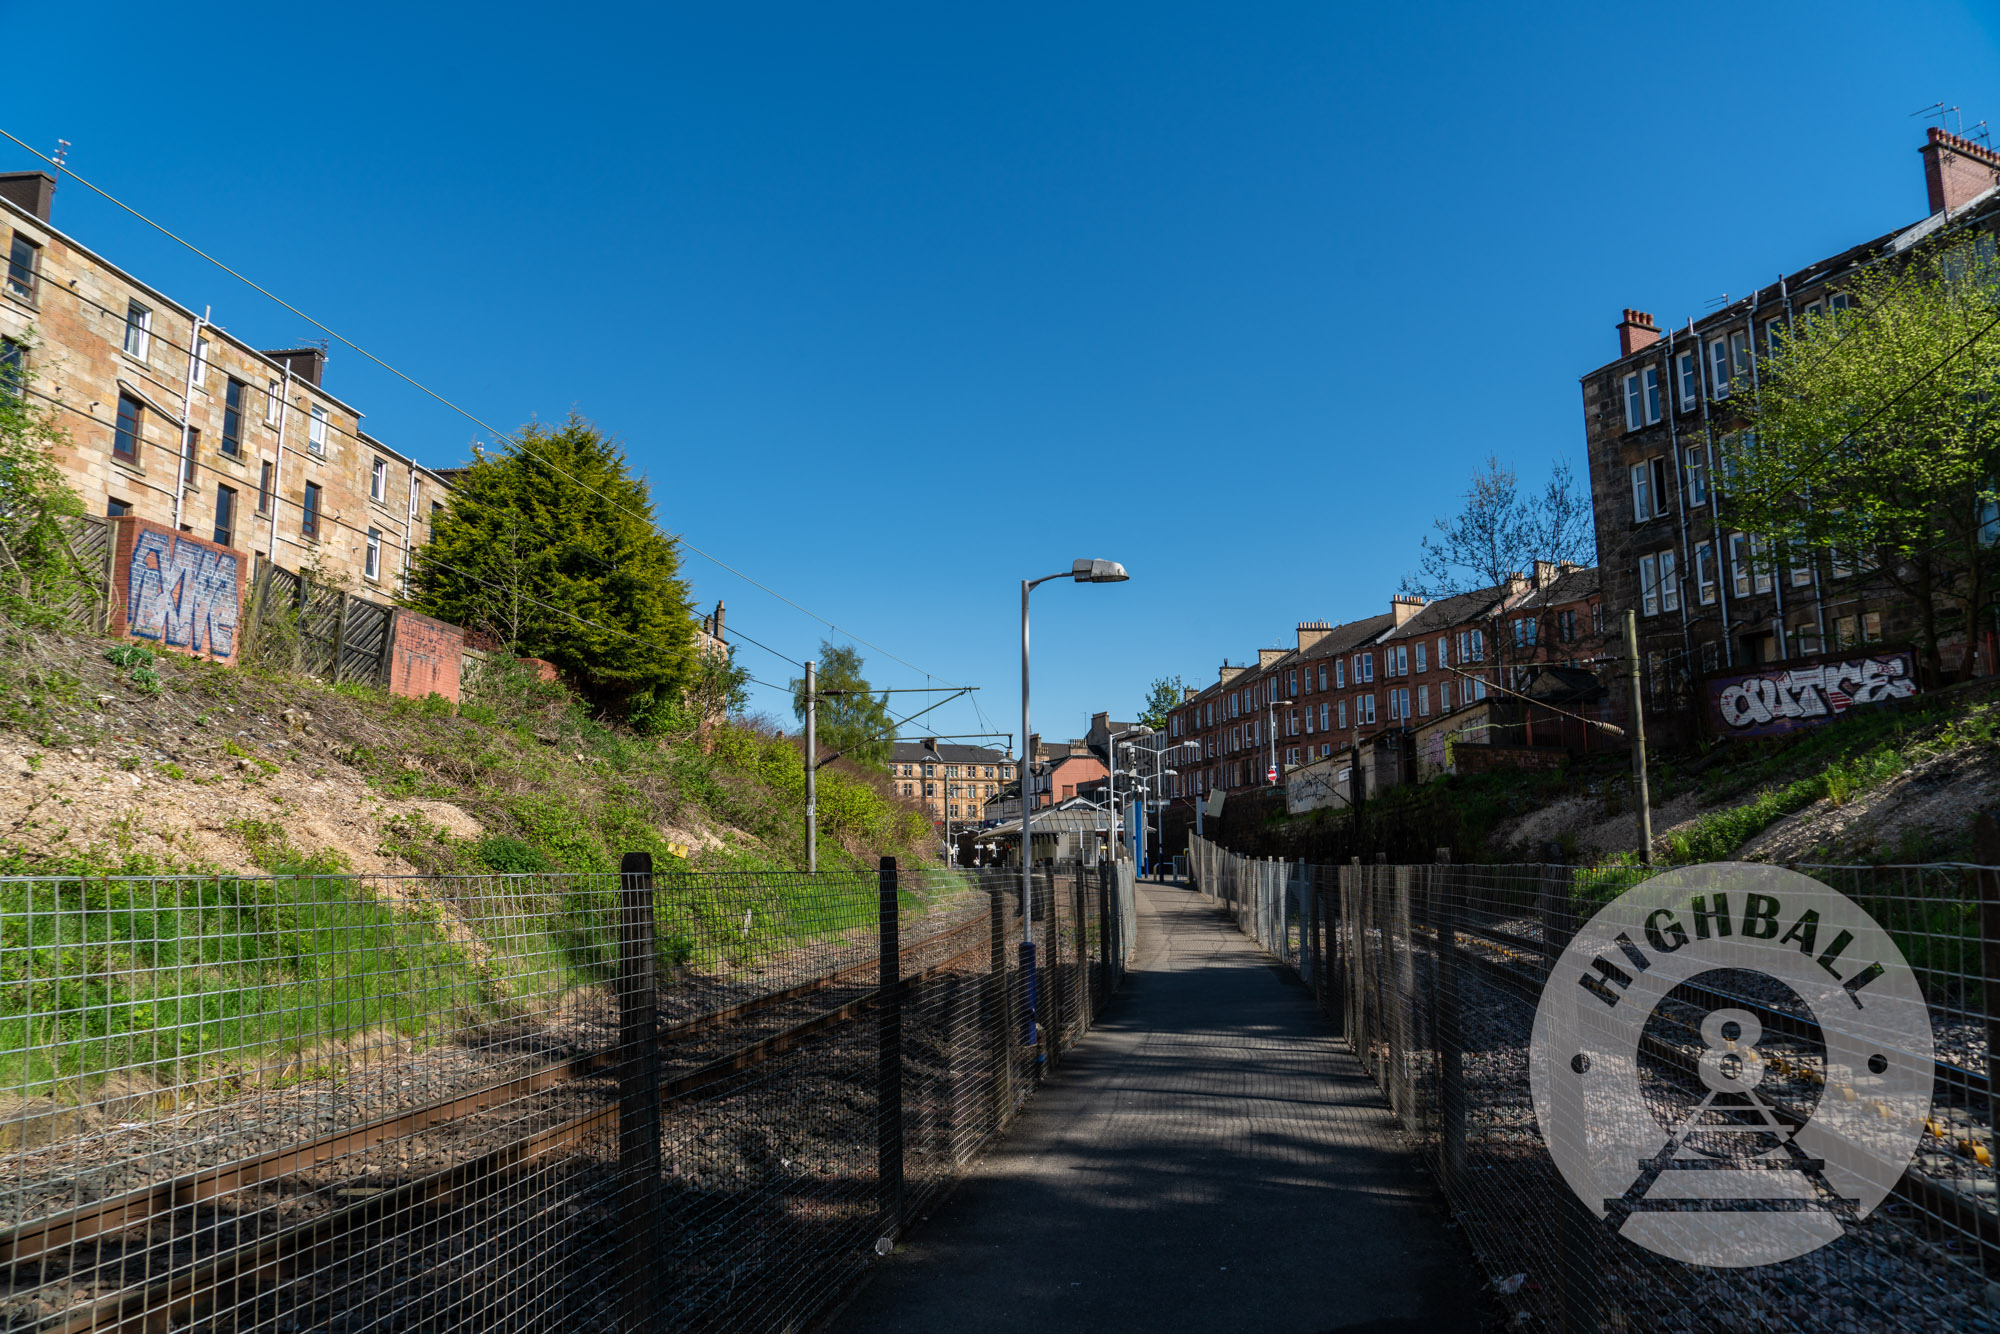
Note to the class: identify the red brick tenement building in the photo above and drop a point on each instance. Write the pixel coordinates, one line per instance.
(1341, 687)
(173, 419)
(1709, 598)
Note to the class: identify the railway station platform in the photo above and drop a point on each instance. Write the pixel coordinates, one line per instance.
(1212, 1157)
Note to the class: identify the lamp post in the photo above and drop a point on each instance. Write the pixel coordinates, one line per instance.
(1111, 772)
(1276, 704)
(1084, 571)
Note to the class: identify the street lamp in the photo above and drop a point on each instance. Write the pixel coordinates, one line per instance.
(1083, 570)
(1146, 783)
(1276, 704)
(1111, 769)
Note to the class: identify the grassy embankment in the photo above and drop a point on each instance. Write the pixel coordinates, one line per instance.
(214, 970)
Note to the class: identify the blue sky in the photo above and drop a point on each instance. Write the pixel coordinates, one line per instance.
(896, 305)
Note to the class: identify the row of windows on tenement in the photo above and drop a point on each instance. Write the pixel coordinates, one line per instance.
(1751, 570)
(1726, 362)
(951, 771)
(23, 277)
(1397, 660)
(953, 789)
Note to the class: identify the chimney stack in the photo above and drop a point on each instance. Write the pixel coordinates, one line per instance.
(1311, 632)
(720, 638)
(1635, 331)
(1403, 607)
(1957, 171)
(34, 191)
(305, 363)
(1545, 573)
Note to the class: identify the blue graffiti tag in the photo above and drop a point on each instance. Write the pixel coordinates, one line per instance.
(182, 593)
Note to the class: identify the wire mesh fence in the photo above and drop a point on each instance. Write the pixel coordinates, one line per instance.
(1433, 972)
(565, 1102)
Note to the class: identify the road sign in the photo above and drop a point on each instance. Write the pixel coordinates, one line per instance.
(1271, 774)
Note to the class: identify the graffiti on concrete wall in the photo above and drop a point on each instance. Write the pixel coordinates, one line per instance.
(1769, 702)
(180, 591)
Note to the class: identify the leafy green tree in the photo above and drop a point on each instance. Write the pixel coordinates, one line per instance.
(1873, 435)
(1162, 699)
(39, 573)
(851, 720)
(551, 545)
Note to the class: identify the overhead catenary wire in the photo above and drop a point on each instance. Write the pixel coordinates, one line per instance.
(439, 397)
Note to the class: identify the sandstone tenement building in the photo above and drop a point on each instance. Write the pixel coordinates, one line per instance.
(1708, 598)
(173, 419)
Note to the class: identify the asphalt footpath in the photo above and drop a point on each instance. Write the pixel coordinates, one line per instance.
(1211, 1157)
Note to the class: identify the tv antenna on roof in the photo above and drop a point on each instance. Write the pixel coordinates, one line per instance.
(1718, 302)
(1942, 112)
(1982, 133)
(62, 156)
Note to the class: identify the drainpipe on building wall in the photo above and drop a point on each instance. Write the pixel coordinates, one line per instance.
(187, 409)
(1723, 571)
(278, 473)
(409, 530)
(1673, 394)
(1778, 576)
(1819, 598)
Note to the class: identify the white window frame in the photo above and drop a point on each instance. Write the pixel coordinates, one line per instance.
(1642, 491)
(1364, 709)
(1670, 584)
(1422, 660)
(1340, 675)
(1740, 573)
(1718, 368)
(316, 432)
(200, 370)
(371, 566)
(1687, 372)
(1697, 476)
(1367, 667)
(138, 330)
(378, 479)
(1634, 407)
(274, 402)
(1343, 715)
(1764, 579)
(1649, 585)
(1650, 378)
(1423, 701)
(1705, 572)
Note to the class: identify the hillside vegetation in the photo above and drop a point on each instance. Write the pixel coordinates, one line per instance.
(124, 760)
(1891, 784)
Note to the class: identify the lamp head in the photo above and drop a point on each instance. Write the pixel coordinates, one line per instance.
(1087, 571)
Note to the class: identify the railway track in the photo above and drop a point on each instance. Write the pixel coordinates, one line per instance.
(153, 1221)
(1520, 965)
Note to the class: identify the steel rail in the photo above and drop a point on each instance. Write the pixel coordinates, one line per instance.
(202, 1284)
(1951, 1208)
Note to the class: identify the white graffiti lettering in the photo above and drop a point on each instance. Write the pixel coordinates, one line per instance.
(1808, 694)
(182, 593)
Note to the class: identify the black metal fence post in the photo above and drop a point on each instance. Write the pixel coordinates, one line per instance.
(1052, 970)
(1451, 1038)
(1103, 933)
(1002, 1019)
(638, 1100)
(1086, 1008)
(1986, 850)
(889, 1059)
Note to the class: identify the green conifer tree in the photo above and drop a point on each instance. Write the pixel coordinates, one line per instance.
(551, 545)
